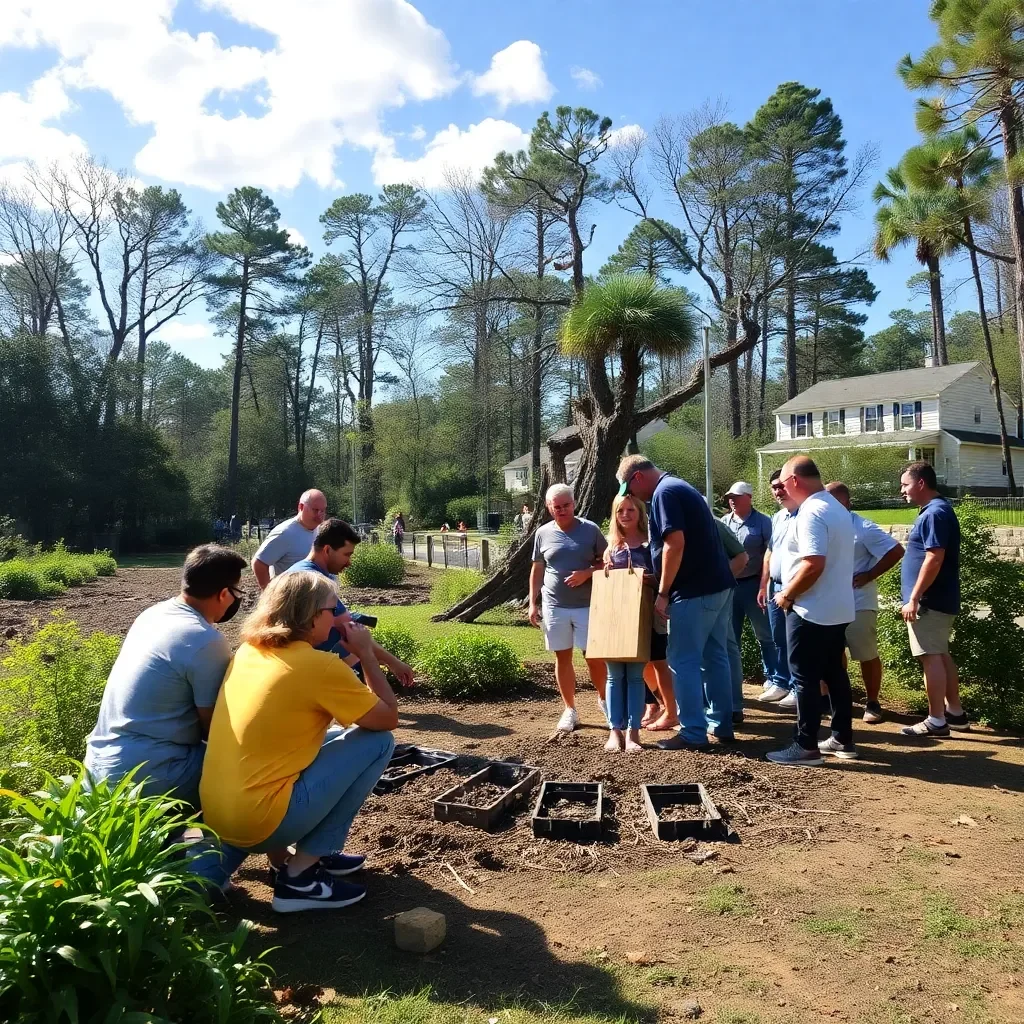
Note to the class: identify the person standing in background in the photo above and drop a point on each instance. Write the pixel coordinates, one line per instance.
(289, 542)
(779, 688)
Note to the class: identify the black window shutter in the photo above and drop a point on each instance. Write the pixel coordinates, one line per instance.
(896, 415)
(881, 417)
(842, 421)
(917, 415)
(863, 421)
(792, 424)
(810, 424)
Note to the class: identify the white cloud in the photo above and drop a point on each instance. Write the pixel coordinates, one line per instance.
(472, 150)
(418, 133)
(628, 134)
(516, 75)
(294, 236)
(585, 78)
(331, 72)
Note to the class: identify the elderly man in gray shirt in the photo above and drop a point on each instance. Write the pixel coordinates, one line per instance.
(159, 698)
(565, 553)
(753, 529)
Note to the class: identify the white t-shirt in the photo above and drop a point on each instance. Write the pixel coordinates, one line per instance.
(822, 526)
(870, 543)
(287, 543)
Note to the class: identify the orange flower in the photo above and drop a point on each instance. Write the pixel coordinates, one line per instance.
(58, 883)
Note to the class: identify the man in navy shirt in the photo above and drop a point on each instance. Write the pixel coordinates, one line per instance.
(931, 598)
(333, 544)
(694, 595)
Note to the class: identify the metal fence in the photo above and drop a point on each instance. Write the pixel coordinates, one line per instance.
(449, 550)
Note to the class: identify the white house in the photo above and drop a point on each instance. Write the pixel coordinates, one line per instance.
(517, 472)
(945, 415)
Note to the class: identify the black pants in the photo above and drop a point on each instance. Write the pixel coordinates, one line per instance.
(816, 655)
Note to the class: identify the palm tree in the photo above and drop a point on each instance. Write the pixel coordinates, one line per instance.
(906, 214)
(958, 169)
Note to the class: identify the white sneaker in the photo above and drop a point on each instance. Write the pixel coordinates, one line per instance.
(844, 751)
(772, 693)
(569, 721)
(789, 701)
(603, 707)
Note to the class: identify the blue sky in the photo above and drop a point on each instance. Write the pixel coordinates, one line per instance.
(314, 97)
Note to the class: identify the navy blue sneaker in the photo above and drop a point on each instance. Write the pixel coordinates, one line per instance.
(313, 889)
(336, 864)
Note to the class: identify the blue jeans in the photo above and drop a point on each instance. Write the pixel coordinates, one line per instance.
(697, 639)
(625, 694)
(777, 623)
(735, 664)
(745, 606)
(326, 796)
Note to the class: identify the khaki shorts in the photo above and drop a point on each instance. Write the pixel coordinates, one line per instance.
(862, 637)
(930, 634)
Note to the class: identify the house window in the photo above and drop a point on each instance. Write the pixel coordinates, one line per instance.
(977, 418)
(801, 424)
(1004, 467)
(836, 421)
(874, 419)
(907, 416)
(923, 455)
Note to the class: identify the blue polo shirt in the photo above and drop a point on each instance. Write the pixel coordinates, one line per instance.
(333, 642)
(704, 569)
(936, 527)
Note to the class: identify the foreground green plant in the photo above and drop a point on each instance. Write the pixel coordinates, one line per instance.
(987, 644)
(375, 565)
(101, 918)
(472, 666)
(399, 642)
(50, 691)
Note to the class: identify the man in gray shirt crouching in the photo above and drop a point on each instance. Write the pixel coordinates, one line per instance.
(565, 553)
(159, 698)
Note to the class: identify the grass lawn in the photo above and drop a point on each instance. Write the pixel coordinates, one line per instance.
(892, 516)
(525, 640)
(152, 560)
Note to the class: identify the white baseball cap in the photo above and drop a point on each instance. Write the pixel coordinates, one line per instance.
(740, 487)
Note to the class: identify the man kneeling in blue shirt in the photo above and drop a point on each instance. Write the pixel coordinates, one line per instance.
(333, 544)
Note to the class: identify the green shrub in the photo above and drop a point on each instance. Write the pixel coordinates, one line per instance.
(103, 562)
(462, 509)
(101, 918)
(472, 666)
(375, 565)
(987, 648)
(22, 581)
(452, 585)
(399, 642)
(61, 566)
(750, 652)
(50, 691)
(12, 544)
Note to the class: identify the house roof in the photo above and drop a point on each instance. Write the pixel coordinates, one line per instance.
(523, 462)
(922, 382)
(901, 438)
(977, 437)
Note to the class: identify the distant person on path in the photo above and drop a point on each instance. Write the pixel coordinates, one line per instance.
(753, 529)
(738, 559)
(289, 541)
(875, 552)
(235, 528)
(695, 596)
(462, 527)
(159, 698)
(219, 527)
(931, 599)
(566, 552)
(398, 531)
(277, 774)
(624, 695)
(778, 688)
(331, 553)
(523, 519)
(817, 597)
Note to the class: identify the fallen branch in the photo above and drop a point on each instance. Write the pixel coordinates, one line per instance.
(458, 879)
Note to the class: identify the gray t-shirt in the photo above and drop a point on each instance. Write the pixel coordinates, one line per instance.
(172, 661)
(755, 534)
(564, 553)
(287, 543)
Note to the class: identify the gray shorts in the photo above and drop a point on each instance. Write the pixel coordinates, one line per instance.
(930, 634)
(862, 636)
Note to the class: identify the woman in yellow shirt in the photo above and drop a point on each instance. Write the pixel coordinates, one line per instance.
(275, 773)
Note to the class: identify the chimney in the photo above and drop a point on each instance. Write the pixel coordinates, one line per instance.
(929, 360)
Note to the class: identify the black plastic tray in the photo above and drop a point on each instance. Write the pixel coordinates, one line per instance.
(519, 778)
(428, 760)
(575, 830)
(707, 823)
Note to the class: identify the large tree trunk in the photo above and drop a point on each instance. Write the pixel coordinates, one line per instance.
(1003, 439)
(938, 311)
(1010, 132)
(236, 395)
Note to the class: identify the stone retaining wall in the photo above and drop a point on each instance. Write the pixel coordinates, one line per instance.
(1008, 541)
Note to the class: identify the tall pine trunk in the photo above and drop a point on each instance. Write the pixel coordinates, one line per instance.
(1010, 131)
(938, 311)
(236, 394)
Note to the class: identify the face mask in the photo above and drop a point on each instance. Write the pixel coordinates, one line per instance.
(231, 611)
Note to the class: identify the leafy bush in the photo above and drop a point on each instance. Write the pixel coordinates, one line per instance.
(12, 544)
(452, 585)
(49, 573)
(61, 566)
(103, 562)
(399, 642)
(750, 652)
(21, 581)
(986, 648)
(50, 692)
(462, 510)
(101, 918)
(375, 565)
(472, 666)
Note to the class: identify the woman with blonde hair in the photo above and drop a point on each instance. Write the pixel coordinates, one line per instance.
(275, 774)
